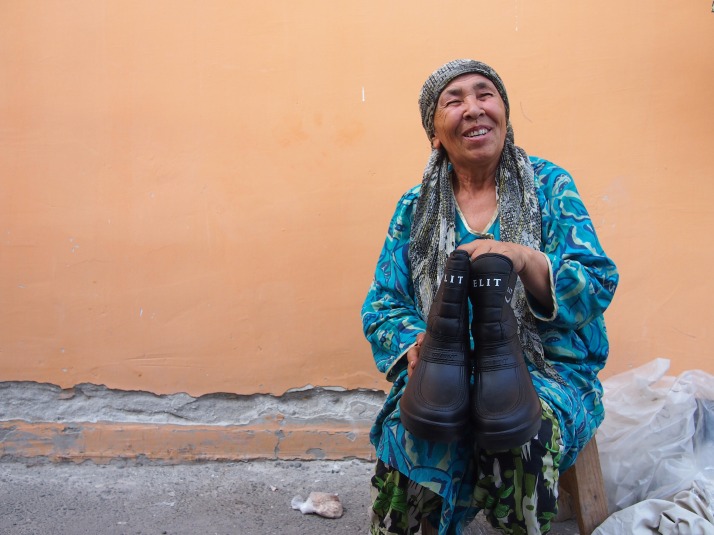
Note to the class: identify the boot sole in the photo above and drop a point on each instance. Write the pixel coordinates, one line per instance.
(513, 438)
(431, 430)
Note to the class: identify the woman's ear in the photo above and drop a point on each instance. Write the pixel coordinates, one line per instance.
(435, 143)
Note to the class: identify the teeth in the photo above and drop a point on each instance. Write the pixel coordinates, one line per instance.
(477, 133)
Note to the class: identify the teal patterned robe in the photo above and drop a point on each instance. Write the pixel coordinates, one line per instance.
(574, 338)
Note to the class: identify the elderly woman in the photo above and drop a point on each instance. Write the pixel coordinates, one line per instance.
(483, 195)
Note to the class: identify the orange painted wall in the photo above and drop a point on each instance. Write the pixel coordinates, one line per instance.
(193, 194)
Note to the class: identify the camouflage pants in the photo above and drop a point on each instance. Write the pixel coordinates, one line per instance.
(516, 489)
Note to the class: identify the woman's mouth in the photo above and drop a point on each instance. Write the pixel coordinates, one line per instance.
(478, 132)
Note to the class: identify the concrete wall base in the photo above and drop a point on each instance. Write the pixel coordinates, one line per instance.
(93, 422)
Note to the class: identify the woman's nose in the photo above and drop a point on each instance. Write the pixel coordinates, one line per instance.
(473, 107)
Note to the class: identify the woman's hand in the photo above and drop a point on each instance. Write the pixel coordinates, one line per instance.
(531, 266)
(413, 354)
(518, 254)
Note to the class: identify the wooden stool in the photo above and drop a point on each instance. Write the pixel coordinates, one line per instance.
(584, 484)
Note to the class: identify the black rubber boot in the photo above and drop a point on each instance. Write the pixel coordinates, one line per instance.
(435, 403)
(505, 408)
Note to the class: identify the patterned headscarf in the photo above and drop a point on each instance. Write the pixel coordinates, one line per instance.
(433, 235)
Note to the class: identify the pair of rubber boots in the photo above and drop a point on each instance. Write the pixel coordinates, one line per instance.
(438, 402)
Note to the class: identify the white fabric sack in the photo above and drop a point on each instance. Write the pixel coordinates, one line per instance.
(688, 514)
(658, 434)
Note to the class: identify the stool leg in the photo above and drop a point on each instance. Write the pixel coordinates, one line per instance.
(426, 528)
(585, 484)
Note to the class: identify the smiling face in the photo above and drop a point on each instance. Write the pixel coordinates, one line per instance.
(470, 123)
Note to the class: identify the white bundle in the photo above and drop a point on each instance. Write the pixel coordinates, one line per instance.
(320, 503)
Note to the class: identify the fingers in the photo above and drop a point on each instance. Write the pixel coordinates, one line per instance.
(413, 354)
(482, 246)
(478, 247)
(412, 358)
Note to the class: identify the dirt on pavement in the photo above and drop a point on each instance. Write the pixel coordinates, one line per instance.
(201, 499)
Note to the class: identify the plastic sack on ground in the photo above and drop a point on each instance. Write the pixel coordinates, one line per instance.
(658, 435)
(687, 514)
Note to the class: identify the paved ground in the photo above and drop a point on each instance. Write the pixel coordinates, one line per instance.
(201, 499)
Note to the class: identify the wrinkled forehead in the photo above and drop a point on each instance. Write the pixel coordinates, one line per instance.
(467, 82)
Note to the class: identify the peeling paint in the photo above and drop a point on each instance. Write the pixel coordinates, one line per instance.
(41, 402)
(317, 453)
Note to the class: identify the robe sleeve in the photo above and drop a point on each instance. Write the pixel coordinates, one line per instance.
(583, 277)
(390, 319)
